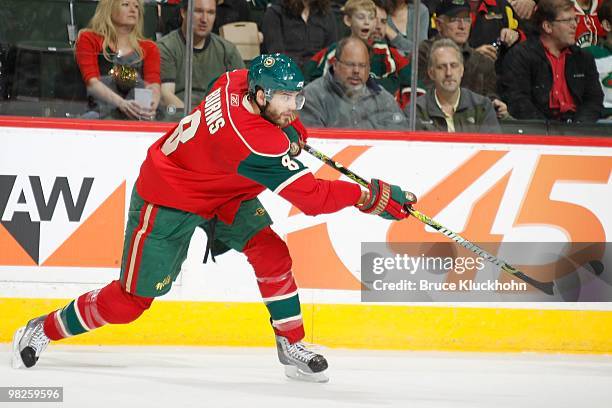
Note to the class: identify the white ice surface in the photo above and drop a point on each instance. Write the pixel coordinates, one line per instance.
(168, 377)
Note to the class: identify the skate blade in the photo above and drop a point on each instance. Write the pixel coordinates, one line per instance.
(296, 374)
(16, 361)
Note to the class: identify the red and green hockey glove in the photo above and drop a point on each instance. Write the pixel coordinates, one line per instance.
(387, 201)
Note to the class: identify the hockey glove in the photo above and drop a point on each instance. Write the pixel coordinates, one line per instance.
(387, 201)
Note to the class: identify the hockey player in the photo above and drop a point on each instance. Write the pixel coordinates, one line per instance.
(207, 172)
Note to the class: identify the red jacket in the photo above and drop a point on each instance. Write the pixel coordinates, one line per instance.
(89, 48)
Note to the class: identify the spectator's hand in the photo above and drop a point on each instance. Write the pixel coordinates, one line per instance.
(488, 51)
(154, 104)
(148, 114)
(134, 111)
(523, 8)
(501, 109)
(130, 108)
(508, 36)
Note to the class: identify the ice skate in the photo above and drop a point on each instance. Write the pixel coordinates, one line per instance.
(300, 363)
(28, 343)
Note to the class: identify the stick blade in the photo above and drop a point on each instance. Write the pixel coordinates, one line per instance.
(546, 287)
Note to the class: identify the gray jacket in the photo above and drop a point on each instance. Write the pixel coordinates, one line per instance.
(475, 114)
(328, 106)
(479, 71)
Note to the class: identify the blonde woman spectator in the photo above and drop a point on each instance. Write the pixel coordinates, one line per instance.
(115, 59)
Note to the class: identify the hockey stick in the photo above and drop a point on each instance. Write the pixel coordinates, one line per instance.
(546, 287)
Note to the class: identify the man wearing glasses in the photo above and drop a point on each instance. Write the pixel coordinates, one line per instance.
(454, 22)
(346, 96)
(548, 77)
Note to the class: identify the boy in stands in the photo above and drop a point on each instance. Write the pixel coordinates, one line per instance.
(388, 66)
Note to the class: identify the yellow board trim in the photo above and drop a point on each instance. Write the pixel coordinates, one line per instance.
(350, 326)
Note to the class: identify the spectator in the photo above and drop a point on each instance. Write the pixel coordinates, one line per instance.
(399, 25)
(524, 8)
(298, 28)
(603, 56)
(447, 107)
(382, 18)
(589, 30)
(360, 18)
(230, 11)
(387, 65)
(115, 58)
(347, 97)
(548, 77)
(212, 56)
(454, 22)
(494, 22)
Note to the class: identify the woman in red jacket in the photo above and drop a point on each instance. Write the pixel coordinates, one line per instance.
(115, 59)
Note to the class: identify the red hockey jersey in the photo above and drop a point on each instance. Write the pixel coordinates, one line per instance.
(222, 154)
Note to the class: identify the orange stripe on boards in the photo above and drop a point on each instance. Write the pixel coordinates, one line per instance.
(11, 253)
(440, 196)
(313, 268)
(98, 242)
(312, 271)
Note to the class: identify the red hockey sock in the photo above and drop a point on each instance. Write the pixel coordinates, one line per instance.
(111, 304)
(269, 256)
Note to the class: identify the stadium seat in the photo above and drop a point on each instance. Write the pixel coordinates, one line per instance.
(46, 70)
(34, 20)
(244, 34)
(169, 17)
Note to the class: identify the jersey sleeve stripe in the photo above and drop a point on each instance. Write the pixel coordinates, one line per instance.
(290, 180)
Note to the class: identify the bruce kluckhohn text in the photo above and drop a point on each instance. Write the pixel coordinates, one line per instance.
(461, 285)
(414, 264)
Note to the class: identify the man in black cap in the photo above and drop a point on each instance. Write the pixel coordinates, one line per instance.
(454, 22)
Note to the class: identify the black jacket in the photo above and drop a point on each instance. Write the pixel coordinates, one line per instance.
(526, 79)
(289, 34)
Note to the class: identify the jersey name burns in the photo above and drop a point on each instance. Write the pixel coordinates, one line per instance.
(212, 112)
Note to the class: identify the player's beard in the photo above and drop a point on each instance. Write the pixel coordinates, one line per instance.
(279, 119)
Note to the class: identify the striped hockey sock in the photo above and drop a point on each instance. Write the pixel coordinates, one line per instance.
(280, 296)
(79, 316)
(111, 304)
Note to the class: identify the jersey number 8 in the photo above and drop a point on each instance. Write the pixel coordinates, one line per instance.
(290, 164)
(182, 135)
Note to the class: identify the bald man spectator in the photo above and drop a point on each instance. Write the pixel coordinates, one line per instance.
(346, 96)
